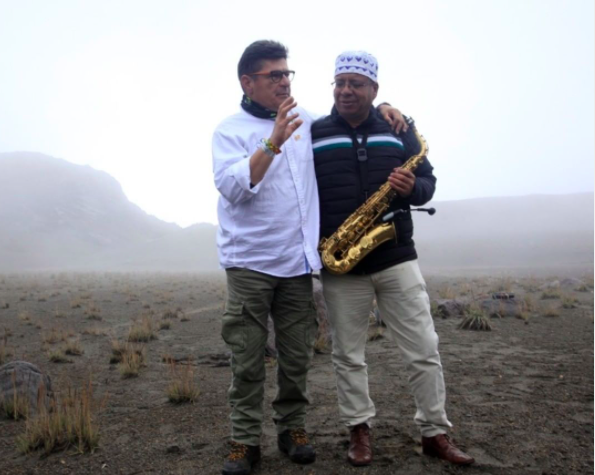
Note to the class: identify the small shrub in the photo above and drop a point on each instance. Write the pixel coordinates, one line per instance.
(182, 387)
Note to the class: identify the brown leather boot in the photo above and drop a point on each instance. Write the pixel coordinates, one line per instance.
(442, 447)
(360, 449)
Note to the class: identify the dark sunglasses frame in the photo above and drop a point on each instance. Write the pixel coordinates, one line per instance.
(276, 76)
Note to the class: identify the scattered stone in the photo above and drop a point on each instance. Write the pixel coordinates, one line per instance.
(555, 284)
(173, 449)
(502, 295)
(571, 283)
(28, 382)
(451, 307)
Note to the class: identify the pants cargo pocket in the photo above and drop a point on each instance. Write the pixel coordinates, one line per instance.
(233, 328)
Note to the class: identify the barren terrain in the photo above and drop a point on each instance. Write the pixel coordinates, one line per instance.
(520, 396)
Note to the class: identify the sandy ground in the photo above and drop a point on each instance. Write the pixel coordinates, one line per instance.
(520, 397)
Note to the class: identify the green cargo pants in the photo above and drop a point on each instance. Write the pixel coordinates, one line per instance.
(251, 297)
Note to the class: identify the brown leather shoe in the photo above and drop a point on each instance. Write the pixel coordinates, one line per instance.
(442, 447)
(360, 449)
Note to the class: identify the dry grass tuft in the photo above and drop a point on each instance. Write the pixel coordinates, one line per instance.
(5, 352)
(529, 304)
(24, 316)
(57, 356)
(54, 336)
(93, 312)
(568, 301)
(182, 388)
(68, 423)
(95, 331)
(16, 407)
(551, 294)
(119, 349)
(73, 347)
(504, 284)
(131, 364)
(476, 319)
(172, 314)
(551, 311)
(142, 331)
(447, 293)
(59, 314)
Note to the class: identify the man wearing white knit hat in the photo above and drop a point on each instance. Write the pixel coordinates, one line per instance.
(355, 153)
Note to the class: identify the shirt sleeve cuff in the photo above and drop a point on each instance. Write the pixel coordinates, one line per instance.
(241, 173)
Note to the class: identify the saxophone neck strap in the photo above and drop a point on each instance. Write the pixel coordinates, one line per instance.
(362, 159)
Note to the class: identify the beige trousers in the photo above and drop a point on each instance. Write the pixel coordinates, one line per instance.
(405, 308)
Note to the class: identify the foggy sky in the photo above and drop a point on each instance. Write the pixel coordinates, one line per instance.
(502, 90)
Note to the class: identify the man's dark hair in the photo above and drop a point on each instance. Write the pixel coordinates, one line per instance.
(258, 52)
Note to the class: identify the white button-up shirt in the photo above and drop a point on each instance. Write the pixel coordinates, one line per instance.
(272, 227)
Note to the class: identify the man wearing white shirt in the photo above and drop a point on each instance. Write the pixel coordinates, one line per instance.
(267, 242)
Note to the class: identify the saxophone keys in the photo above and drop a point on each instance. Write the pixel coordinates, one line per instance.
(354, 253)
(366, 242)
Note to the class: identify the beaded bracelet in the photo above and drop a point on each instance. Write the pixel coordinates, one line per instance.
(271, 146)
(264, 147)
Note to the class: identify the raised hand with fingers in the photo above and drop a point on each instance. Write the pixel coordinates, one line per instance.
(285, 123)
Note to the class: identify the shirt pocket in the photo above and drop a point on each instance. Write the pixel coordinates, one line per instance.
(302, 141)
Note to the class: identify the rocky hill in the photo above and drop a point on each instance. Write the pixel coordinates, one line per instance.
(58, 215)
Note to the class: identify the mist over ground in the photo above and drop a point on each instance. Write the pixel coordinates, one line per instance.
(58, 216)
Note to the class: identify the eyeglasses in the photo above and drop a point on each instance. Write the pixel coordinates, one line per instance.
(353, 85)
(276, 76)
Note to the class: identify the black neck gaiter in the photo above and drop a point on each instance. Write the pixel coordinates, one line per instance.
(255, 109)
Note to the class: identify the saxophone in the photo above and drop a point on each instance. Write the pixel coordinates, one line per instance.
(360, 234)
